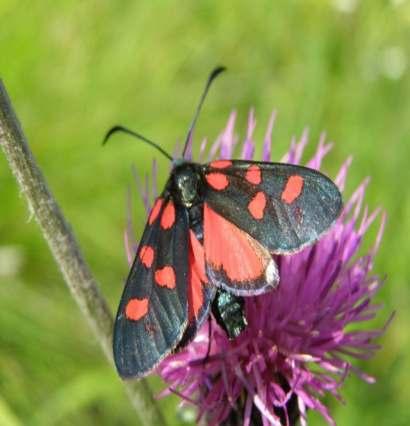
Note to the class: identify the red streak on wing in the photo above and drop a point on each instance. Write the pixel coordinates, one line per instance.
(136, 309)
(293, 189)
(197, 276)
(220, 164)
(198, 256)
(155, 211)
(168, 216)
(253, 174)
(165, 277)
(257, 205)
(229, 248)
(218, 181)
(147, 256)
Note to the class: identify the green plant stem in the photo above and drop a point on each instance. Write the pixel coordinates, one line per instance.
(65, 250)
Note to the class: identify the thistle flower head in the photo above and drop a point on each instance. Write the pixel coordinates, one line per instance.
(302, 338)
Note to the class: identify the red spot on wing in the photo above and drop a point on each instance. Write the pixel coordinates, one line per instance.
(229, 248)
(168, 216)
(155, 211)
(147, 256)
(218, 181)
(197, 276)
(220, 164)
(293, 189)
(165, 277)
(253, 174)
(136, 309)
(257, 205)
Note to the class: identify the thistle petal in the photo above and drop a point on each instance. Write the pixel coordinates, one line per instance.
(299, 344)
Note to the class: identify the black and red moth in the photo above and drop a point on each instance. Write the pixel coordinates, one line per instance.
(209, 240)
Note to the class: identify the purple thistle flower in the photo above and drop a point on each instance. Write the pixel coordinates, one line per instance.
(299, 336)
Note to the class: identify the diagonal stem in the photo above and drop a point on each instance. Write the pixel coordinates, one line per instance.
(65, 250)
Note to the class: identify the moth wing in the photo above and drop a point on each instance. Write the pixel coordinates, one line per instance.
(201, 291)
(282, 206)
(153, 312)
(236, 261)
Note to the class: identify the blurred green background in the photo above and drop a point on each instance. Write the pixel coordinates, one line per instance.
(75, 68)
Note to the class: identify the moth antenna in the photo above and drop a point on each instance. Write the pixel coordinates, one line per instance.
(122, 129)
(211, 78)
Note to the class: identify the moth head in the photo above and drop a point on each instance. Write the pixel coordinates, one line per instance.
(186, 182)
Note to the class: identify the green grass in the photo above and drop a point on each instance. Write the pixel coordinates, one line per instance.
(75, 68)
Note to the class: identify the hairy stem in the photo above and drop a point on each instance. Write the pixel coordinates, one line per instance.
(65, 250)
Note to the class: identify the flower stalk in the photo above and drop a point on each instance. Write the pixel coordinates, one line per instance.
(65, 249)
